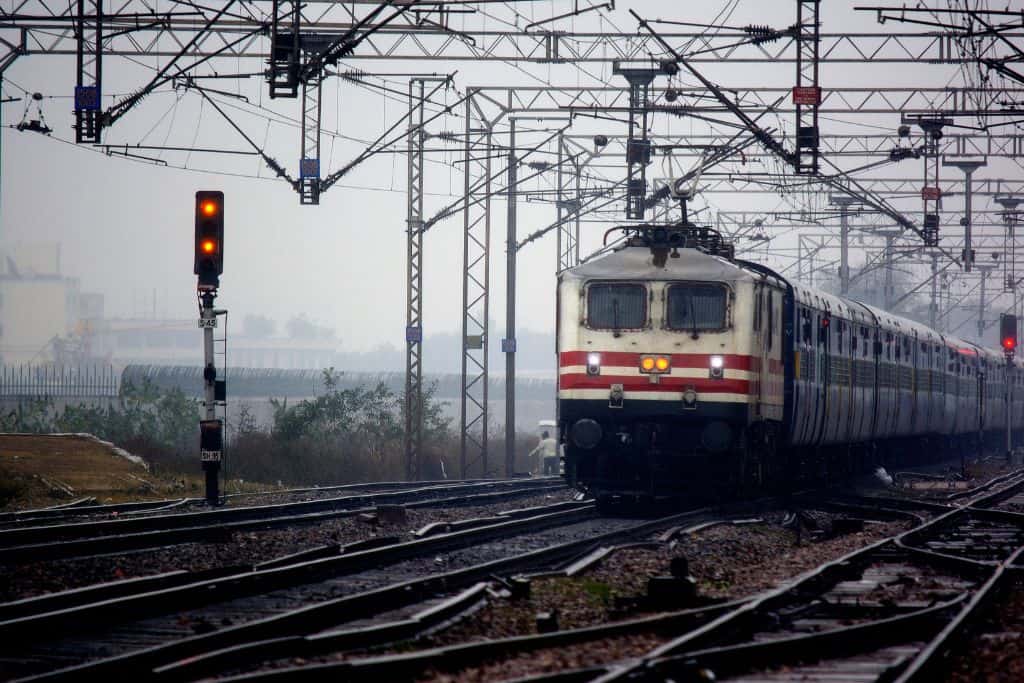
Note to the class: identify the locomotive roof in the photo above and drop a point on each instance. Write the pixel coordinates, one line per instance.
(637, 263)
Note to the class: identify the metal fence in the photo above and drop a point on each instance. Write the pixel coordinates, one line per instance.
(281, 383)
(57, 381)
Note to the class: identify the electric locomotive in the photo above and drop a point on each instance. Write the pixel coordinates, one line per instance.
(683, 370)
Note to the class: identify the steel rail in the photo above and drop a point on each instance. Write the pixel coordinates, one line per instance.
(214, 529)
(258, 581)
(928, 665)
(449, 658)
(407, 666)
(330, 614)
(65, 532)
(676, 653)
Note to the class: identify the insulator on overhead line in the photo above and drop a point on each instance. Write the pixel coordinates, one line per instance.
(762, 34)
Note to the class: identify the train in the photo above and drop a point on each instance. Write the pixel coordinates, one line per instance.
(683, 370)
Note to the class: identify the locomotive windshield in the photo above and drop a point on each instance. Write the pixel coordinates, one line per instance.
(696, 307)
(616, 306)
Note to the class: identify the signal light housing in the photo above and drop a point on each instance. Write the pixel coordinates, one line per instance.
(209, 239)
(1008, 332)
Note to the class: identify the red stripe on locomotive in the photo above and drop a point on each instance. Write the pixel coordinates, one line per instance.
(666, 384)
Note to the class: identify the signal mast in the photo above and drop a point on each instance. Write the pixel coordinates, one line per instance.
(1008, 340)
(209, 264)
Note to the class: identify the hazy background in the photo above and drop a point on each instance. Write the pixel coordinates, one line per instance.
(125, 227)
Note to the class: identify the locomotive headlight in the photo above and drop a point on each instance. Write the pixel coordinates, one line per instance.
(661, 363)
(593, 364)
(717, 365)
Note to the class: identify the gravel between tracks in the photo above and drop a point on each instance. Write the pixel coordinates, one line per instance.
(246, 548)
(997, 653)
(728, 561)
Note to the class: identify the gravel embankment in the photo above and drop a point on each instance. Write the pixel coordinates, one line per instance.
(246, 548)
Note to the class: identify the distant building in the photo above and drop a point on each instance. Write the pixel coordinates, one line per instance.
(41, 311)
(179, 342)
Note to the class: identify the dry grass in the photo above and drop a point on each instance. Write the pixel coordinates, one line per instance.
(34, 471)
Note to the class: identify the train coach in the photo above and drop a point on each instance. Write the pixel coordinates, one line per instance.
(685, 370)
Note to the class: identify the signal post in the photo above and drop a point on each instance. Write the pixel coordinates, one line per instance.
(1008, 339)
(209, 264)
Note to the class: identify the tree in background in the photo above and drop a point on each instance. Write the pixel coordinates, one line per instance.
(258, 326)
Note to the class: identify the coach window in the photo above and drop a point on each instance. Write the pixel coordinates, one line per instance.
(616, 306)
(698, 307)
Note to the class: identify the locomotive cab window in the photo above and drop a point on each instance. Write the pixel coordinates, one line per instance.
(699, 307)
(616, 306)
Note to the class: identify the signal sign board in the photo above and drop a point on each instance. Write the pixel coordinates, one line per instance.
(807, 94)
(930, 193)
(87, 97)
(309, 168)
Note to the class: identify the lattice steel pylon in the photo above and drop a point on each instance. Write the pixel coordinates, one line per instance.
(309, 164)
(568, 184)
(638, 149)
(283, 64)
(476, 222)
(414, 284)
(807, 94)
(89, 63)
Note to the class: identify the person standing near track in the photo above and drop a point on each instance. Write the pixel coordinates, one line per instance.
(544, 458)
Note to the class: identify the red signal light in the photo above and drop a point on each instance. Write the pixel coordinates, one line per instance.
(1009, 343)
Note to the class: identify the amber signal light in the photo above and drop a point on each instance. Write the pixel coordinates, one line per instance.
(655, 364)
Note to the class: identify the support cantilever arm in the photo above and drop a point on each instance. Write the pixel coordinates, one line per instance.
(770, 143)
(762, 135)
(121, 108)
(269, 161)
(347, 42)
(460, 204)
(376, 145)
(879, 204)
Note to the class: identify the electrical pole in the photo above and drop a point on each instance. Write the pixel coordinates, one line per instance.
(508, 344)
(933, 306)
(888, 293)
(986, 270)
(968, 167)
(414, 283)
(843, 202)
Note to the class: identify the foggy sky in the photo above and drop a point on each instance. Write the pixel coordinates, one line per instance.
(126, 227)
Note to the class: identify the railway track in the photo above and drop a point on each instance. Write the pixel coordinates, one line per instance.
(890, 611)
(290, 607)
(88, 509)
(303, 598)
(35, 543)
